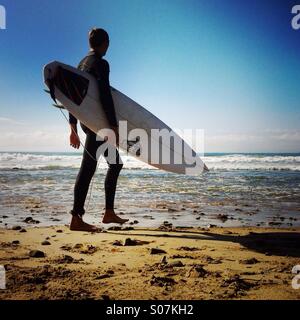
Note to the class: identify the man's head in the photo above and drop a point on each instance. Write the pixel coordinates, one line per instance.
(99, 40)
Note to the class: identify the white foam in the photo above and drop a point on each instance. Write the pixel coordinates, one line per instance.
(47, 161)
(253, 162)
(10, 160)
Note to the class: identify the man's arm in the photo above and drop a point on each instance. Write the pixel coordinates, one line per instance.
(105, 94)
(72, 119)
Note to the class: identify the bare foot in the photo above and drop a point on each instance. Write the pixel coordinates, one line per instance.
(111, 217)
(77, 224)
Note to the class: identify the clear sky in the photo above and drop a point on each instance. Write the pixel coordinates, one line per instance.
(229, 67)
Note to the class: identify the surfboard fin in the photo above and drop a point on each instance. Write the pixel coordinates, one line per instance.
(58, 106)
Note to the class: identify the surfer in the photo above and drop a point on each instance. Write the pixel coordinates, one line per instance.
(99, 68)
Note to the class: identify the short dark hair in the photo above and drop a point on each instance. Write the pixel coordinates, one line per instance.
(97, 37)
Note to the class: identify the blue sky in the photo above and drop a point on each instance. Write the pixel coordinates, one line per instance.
(228, 67)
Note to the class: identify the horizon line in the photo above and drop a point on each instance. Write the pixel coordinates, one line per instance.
(216, 152)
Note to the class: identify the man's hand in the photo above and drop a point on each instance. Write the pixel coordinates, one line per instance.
(74, 139)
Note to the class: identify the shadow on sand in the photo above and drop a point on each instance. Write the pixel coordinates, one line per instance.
(270, 243)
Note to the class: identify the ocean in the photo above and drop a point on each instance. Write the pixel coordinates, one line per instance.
(239, 190)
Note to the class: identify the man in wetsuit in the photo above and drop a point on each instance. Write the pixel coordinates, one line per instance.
(99, 68)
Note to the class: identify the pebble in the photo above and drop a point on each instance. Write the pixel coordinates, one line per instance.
(161, 281)
(273, 223)
(16, 228)
(176, 264)
(180, 256)
(197, 271)
(185, 248)
(148, 216)
(222, 217)
(110, 271)
(66, 259)
(130, 242)
(249, 261)
(30, 220)
(128, 228)
(115, 228)
(211, 226)
(157, 251)
(167, 224)
(164, 260)
(46, 243)
(102, 276)
(36, 254)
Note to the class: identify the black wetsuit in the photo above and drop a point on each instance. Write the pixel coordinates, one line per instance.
(99, 68)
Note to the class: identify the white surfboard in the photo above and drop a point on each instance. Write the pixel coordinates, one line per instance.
(78, 92)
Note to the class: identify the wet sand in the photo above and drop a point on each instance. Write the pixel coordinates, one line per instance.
(162, 263)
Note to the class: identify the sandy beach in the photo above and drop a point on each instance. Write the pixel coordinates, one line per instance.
(232, 233)
(143, 263)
